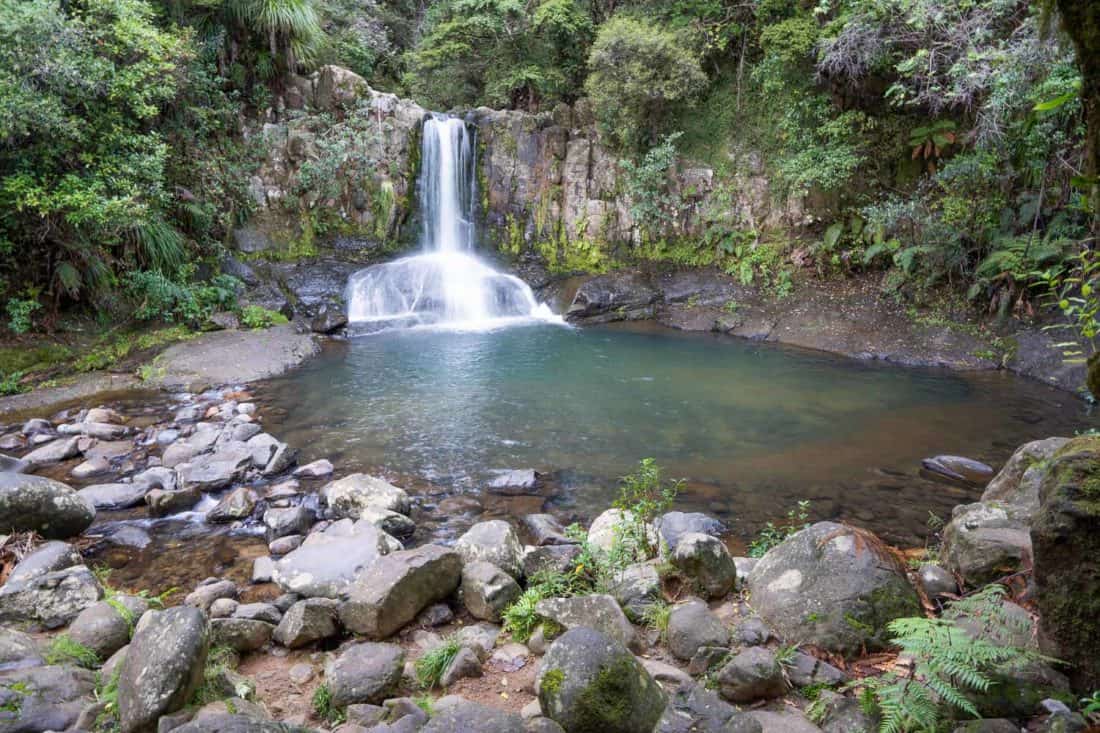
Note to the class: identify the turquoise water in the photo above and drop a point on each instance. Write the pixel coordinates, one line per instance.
(751, 427)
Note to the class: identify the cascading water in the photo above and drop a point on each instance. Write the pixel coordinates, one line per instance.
(446, 285)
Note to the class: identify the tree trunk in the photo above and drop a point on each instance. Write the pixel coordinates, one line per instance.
(1081, 20)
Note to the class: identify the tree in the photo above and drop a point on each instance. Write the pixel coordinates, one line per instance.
(639, 75)
(1081, 20)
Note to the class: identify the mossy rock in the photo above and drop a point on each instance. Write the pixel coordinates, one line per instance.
(1065, 536)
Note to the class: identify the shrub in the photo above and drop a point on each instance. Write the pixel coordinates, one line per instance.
(772, 534)
(63, 649)
(639, 74)
(20, 311)
(431, 667)
(324, 708)
(254, 316)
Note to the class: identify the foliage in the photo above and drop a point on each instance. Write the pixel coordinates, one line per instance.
(520, 619)
(63, 649)
(948, 663)
(656, 616)
(20, 311)
(639, 74)
(434, 663)
(12, 383)
(158, 297)
(773, 534)
(255, 316)
(1073, 290)
(652, 201)
(643, 496)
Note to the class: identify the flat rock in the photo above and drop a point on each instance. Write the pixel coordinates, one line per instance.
(328, 562)
(352, 495)
(114, 496)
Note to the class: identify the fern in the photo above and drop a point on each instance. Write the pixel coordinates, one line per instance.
(947, 663)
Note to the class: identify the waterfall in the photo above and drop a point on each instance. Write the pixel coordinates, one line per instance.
(446, 284)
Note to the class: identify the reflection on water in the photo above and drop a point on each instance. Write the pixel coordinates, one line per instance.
(752, 427)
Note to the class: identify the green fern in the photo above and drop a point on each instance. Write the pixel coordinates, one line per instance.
(947, 663)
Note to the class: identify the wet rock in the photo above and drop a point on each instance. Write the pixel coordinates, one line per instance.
(545, 530)
(957, 470)
(589, 681)
(487, 590)
(114, 496)
(240, 634)
(237, 504)
(163, 503)
(208, 592)
(281, 460)
(464, 715)
(92, 467)
(50, 600)
(555, 558)
(365, 673)
(635, 588)
(833, 586)
(163, 667)
(672, 526)
(706, 562)
(316, 469)
(105, 627)
(100, 431)
(598, 611)
(18, 650)
(465, 664)
(936, 581)
(53, 452)
(46, 558)
(308, 621)
(39, 504)
(752, 675)
(283, 522)
(330, 318)
(622, 295)
(392, 591)
(493, 542)
(44, 698)
(515, 482)
(692, 626)
(328, 562)
(985, 541)
(352, 495)
(1066, 536)
(216, 471)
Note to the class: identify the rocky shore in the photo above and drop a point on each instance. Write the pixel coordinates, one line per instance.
(349, 625)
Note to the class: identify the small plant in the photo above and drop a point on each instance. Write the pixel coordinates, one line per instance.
(20, 312)
(107, 693)
(425, 703)
(1090, 706)
(431, 667)
(254, 316)
(12, 383)
(324, 708)
(66, 650)
(772, 534)
(656, 616)
(643, 496)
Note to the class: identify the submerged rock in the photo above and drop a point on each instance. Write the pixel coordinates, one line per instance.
(42, 505)
(957, 469)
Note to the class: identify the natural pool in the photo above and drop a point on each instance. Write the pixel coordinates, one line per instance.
(752, 427)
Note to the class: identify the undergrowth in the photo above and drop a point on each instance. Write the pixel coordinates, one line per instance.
(431, 667)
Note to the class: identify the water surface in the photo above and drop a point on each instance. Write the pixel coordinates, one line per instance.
(752, 428)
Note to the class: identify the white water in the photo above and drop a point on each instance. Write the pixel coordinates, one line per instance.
(446, 286)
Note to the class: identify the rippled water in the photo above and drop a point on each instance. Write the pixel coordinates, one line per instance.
(751, 427)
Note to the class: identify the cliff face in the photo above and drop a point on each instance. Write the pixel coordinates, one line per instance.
(344, 163)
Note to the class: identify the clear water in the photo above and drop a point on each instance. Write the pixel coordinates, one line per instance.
(752, 427)
(446, 284)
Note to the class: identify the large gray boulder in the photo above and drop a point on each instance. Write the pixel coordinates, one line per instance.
(115, 496)
(636, 588)
(487, 590)
(494, 542)
(18, 650)
(42, 505)
(752, 675)
(674, 525)
(351, 495)
(365, 673)
(590, 682)
(1017, 484)
(985, 541)
(163, 666)
(691, 627)
(833, 586)
(307, 621)
(104, 627)
(463, 715)
(217, 470)
(597, 611)
(50, 600)
(328, 562)
(44, 698)
(398, 586)
(706, 563)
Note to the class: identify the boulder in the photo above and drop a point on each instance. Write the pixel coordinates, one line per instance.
(545, 529)
(163, 503)
(94, 466)
(752, 675)
(493, 542)
(1065, 533)
(957, 470)
(603, 530)
(691, 627)
(329, 561)
(42, 505)
(937, 582)
(307, 621)
(162, 668)
(598, 611)
(209, 591)
(706, 562)
(281, 460)
(833, 586)
(588, 681)
(487, 590)
(44, 698)
(236, 505)
(1018, 482)
(804, 670)
(555, 558)
(351, 495)
(616, 296)
(114, 496)
(317, 469)
(516, 482)
(259, 611)
(217, 470)
(105, 627)
(769, 721)
(463, 715)
(392, 591)
(465, 664)
(481, 637)
(53, 452)
(338, 88)
(635, 588)
(985, 541)
(46, 558)
(695, 709)
(50, 600)
(263, 447)
(18, 650)
(674, 525)
(240, 634)
(283, 522)
(365, 673)
(223, 608)
(391, 523)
